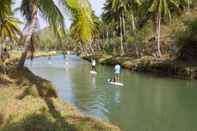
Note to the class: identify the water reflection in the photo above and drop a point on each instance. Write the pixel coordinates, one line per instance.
(94, 81)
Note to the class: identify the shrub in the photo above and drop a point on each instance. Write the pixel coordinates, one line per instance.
(32, 91)
(187, 42)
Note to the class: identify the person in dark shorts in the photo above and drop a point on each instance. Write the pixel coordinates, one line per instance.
(117, 69)
(93, 65)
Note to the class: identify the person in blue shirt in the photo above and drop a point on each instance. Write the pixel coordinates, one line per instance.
(117, 69)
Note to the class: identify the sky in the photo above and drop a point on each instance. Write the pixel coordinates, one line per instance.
(97, 6)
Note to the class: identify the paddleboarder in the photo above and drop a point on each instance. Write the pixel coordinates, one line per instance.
(117, 69)
(93, 65)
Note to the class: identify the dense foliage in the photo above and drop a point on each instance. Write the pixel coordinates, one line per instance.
(187, 42)
(126, 27)
(8, 24)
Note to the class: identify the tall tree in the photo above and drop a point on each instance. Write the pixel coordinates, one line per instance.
(118, 12)
(161, 10)
(82, 28)
(50, 12)
(133, 14)
(186, 4)
(114, 11)
(8, 23)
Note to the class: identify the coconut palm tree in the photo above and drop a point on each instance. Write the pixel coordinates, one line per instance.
(161, 10)
(9, 28)
(186, 4)
(49, 11)
(134, 12)
(118, 12)
(114, 12)
(8, 24)
(83, 28)
(52, 14)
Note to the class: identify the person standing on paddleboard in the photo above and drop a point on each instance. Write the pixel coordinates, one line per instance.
(117, 69)
(49, 59)
(93, 65)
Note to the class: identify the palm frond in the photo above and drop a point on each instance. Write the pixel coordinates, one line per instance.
(26, 9)
(83, 23)
(5, 8)
(8, 24)
(9, 28)
(53, 15)
(50, 12)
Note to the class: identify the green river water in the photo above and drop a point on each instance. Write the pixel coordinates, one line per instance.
(145, 103)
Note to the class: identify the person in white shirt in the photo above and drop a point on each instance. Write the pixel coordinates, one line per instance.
(117, 69)
(93, 64)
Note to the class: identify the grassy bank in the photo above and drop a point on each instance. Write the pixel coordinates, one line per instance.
(30, 103)
(148, 64)
(15, 55)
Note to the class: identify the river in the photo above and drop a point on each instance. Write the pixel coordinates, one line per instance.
(145, 103)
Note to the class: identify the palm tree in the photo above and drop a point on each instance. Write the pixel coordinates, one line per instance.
(50, 12)
(114, 12)
(121, 7)
(83, 28)
(118, 12)
(185, 4)
(161, 9)
(134, 12)
(8, 24)
(9, 28)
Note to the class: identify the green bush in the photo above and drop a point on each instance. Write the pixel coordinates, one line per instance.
(189, 34)
(32, 91)
(187, 42)
(111, 45)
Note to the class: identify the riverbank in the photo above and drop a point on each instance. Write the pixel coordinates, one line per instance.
(147, 64)
(28, 102)
(15, 55)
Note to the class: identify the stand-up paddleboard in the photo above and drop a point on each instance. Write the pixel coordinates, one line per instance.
(115, 83)
(49, 62)
(66, 63)
(93, 72)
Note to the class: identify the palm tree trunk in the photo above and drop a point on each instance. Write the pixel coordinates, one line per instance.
(159, 33)
(107, 35)
(99, 45)
(82, 49)
(134, 32)
(1, 48)
(121, 37)
(123, 25)
(188, 5)
(28, 35)
(92, 48)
